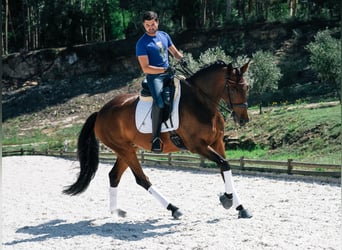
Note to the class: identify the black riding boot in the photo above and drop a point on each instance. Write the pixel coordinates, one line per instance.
(156, 126)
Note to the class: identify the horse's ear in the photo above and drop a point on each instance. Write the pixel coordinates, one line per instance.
(245, 67)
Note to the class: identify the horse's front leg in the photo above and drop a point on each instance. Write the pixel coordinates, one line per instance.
(230, 197)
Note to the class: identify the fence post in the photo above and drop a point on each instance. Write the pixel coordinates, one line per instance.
(21, 151)
(289, 166)
(142, 156)
(169, 159)
(242, 163)
(202, 159)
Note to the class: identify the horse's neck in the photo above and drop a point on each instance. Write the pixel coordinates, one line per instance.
(201, 98)
(209, 92)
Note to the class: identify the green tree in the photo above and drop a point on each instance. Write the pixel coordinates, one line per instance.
(33, 24)
(209, 56)
(325, 59)
(264, 74)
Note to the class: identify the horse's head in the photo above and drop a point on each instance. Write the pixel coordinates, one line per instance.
(237, 93)
(221, 81)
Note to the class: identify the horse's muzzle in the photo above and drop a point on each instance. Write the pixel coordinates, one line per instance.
(242, 122)
(241, 119)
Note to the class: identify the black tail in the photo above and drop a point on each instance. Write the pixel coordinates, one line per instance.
(88, 155)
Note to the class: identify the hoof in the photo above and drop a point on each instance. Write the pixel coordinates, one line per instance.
(244, 214)
(176, 213)
(226, 201)
(119, 212)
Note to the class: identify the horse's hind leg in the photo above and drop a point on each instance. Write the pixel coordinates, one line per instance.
(142, 180)
(114, 178)
(131, 159)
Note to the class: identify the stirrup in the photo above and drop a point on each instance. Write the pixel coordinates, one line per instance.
(157, 146)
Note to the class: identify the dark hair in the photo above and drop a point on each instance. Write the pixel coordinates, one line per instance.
(150, 15)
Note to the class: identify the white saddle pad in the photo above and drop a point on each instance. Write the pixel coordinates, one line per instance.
(143, 119)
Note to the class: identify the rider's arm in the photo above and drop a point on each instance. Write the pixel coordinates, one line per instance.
(147, 68)
(175, 52)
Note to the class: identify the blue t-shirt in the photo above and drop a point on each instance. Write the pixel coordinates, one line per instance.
(155, 47)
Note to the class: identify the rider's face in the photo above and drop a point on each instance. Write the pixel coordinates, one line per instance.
(151, 26)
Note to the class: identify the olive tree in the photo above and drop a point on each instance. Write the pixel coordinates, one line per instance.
(325, 58)
(206, 57)
(264, 74)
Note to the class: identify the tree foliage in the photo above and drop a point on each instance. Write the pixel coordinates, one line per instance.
(264, 74)
(35, 24)
(325, 58)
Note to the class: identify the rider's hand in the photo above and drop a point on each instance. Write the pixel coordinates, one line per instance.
(171, 71)
(183, 63)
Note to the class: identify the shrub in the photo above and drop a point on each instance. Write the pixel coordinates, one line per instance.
(212, 55)
(206, 57)
(264, 74)
(325, 58)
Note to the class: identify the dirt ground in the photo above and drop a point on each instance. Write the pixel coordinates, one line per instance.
(288, 214)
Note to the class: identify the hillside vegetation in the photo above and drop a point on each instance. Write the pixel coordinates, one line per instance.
(305, 132)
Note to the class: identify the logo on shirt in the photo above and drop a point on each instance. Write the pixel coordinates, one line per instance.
(161, 49)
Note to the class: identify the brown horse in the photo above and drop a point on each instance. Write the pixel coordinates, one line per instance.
(201, 129)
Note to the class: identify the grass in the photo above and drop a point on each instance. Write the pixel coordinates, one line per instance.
(256, 153)
(293, 132)
(47, 138)
(11, 136)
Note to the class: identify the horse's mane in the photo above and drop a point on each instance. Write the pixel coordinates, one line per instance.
(208, 68)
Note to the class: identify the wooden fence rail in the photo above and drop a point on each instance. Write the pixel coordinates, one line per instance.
(290, 166)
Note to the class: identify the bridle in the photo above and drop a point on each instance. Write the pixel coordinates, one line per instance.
(231, 105)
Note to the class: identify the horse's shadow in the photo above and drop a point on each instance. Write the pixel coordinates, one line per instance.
(129, 231)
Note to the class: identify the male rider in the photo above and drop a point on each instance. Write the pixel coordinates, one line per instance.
(152, 51)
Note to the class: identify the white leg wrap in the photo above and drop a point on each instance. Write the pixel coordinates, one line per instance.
(228, 182)
(113, 199)
(236, 199)
(230, 189)
(156, 194)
